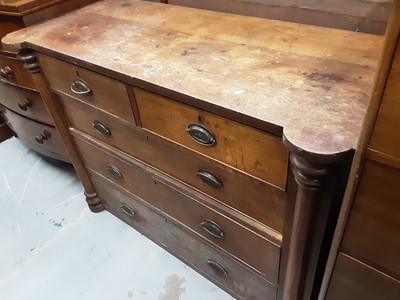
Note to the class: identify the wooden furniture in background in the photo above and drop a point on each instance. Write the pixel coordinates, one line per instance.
(355, 15)
(20, 102)
(365, 259)
(228, 145)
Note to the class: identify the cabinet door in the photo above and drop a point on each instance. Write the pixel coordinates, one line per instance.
(386, 135)
(372, 233)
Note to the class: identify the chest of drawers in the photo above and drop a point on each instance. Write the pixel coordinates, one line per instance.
(20, 102)
(224, 142)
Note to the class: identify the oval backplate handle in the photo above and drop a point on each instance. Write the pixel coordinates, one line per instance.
(101, 128)
(201, 135)
(127, 210)
(212, 228)
(80, 87)
(113, 170)
(210, 179)
(217, 267)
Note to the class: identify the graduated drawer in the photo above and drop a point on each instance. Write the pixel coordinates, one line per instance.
(353, 280)
(250, 150)
(373, 231)
(42, 138)
(386, 134)
(192, 211)
(250, 196)
(218, 267)
(25, 102)
(12, 71)
(92, 88)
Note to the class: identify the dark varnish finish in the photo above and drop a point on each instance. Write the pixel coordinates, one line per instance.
(195, 118)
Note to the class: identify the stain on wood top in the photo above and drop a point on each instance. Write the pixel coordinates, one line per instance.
(314, 82)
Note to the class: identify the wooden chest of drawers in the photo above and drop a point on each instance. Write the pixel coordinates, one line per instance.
(229, 149)
(22, 106)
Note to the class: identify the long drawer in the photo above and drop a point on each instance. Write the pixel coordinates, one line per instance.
(42, 138)
(25, 102)
(353, 280)
(372, 232)
(185, 206)
(252, 151)
(244, 193)
(204, 258)
(12, 71)
(89, 87)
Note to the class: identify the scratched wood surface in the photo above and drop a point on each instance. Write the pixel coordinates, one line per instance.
(313, 82)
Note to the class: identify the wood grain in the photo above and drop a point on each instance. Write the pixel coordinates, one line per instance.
(316, 87)
(252, 151)
(107, 94)
(354, 15)
(173, 200)
(386, 136)
(354, 280)
(27, 130)
(21, 77)
(11, 96)
(251, 197)
(372, 233)
(241, 282)
(385, 64)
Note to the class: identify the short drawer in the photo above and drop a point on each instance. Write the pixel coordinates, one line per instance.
(41, 138)
(250, 196)
(26, 102)
(92, 88)
(218, 267)
(372, 232)
(353, 280)
(250, 150)
(12, 71)
(190, 210)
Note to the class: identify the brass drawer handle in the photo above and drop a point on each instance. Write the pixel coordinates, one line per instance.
(24, 104)
(80, 87)
(201, 135)
(101, 128)
(44, 136)
(210, 179)
(113, 170)
(217, 267)
(127, 210)
(6, 72)
(212, 228)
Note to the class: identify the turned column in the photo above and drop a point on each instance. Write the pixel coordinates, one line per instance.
(32, 65)
(315, 190)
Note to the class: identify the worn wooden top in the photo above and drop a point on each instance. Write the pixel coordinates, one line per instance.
(313, 82)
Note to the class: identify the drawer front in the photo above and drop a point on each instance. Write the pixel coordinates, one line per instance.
(372, 232)
(12, 71)
(192, 211)
(94, 89)
(353, 280)
(41, 138)
(248, 195)
(242, 147)
(238, 280)
(26, 102)
(386, 136)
